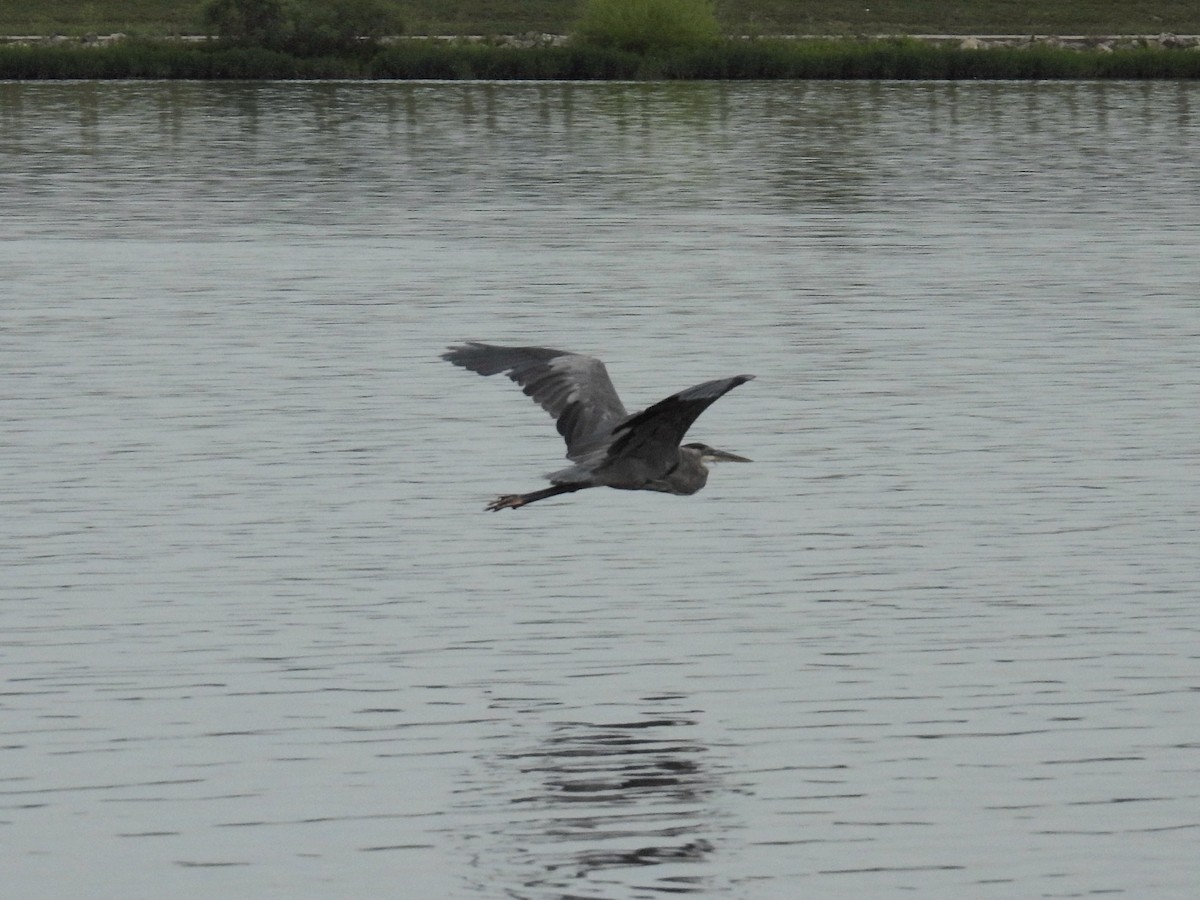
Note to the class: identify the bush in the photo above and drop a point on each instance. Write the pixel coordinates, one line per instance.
(247, 22)
(302, 27)
(338, 26)
(648, 26)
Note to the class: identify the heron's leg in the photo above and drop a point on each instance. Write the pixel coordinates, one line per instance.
(513, 501)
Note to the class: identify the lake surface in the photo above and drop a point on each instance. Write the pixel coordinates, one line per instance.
(259, 638)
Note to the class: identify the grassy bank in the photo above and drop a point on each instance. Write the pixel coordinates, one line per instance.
(610, 39)
(755, 17)
(765, 59)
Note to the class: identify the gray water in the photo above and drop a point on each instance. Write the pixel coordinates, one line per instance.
(259, 638)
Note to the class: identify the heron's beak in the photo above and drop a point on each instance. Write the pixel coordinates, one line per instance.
(716, 455)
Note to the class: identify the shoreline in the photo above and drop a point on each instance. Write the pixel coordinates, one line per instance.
(1160, 41)
(549, 57)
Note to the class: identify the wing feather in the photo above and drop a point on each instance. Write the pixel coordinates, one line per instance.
(654, 435)
(573, 388)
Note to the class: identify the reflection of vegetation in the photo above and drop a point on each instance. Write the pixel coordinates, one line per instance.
(645, 26)
(730, 59)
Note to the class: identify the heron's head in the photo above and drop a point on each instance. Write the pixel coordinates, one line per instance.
(712, 454)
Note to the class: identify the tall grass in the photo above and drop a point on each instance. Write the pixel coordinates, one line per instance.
(760, 59)
(155, 60)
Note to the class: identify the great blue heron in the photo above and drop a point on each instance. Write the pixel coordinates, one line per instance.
(608, 446)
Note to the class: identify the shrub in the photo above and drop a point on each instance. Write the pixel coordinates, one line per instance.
(246, 22)
(338, 26)
(648, 26)
(301, 27)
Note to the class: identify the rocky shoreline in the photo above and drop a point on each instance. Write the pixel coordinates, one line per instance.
(1070, 42)
(1102, 44)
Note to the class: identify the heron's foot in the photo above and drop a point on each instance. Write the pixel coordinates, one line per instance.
(508, 501)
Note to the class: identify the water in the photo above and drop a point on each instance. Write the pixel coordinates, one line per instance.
(260, 639)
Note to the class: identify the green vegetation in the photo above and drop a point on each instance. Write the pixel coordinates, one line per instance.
(755, 17)
(648, 26)
(894, 59)
(610, 39)
(837, 17)
(302, 27)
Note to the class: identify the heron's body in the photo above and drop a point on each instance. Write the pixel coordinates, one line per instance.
(607, 446)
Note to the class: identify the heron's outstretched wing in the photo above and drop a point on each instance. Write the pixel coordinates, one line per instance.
(655, 433)
(574, 389)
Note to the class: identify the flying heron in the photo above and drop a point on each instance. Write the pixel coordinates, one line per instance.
(608, 446)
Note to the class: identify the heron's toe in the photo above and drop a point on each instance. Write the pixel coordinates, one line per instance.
(508, 501)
